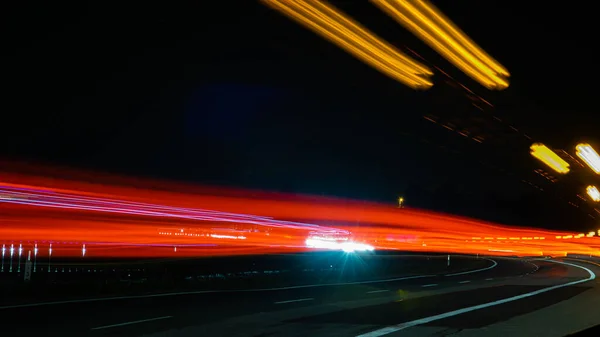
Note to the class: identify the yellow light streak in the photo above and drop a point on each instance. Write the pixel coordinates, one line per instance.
(548, 157)
(431, 26)
(332, 24)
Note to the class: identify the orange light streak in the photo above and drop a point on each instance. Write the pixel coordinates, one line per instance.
(335, 26)
(430, 25)
(167, 223)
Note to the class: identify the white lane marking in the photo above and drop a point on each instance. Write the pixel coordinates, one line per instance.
(402, 326)
(464, 281)
(429, 285)
(292, 301)
(116, 298)
(494, 264)
(132, 322)
(377, 291)
(489, 279)
(210, 292)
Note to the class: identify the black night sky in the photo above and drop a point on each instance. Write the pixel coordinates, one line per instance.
(233, 93)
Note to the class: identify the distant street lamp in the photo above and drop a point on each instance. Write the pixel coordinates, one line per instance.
(400, 202)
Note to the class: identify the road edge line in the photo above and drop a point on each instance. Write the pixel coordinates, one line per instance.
(402, 326)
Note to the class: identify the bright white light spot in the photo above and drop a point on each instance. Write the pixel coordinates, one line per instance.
(593, 192)
(347, 247)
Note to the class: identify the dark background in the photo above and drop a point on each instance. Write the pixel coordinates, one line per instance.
(233, 93)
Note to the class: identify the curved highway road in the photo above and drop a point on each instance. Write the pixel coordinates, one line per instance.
(469, 303)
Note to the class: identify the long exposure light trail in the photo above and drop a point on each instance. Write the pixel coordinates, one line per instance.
(112, 220)
(587, 153)
(332, 24)
(593, 192)
(542, 153)
(57, 200)
(430, 25)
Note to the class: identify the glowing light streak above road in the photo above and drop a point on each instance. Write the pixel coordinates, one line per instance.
(430, 25)
(593, 192)
(135, 221)
(548, 157)
(587, 153)
(58, 200)
(332, 24)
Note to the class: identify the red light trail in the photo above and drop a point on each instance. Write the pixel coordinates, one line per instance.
(117, 221)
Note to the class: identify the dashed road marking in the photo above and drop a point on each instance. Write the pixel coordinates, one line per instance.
(292, 301)
(402, 326)
(429, 285)
(130, 323)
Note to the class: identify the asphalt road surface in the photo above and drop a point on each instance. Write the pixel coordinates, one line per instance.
(508, 296)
